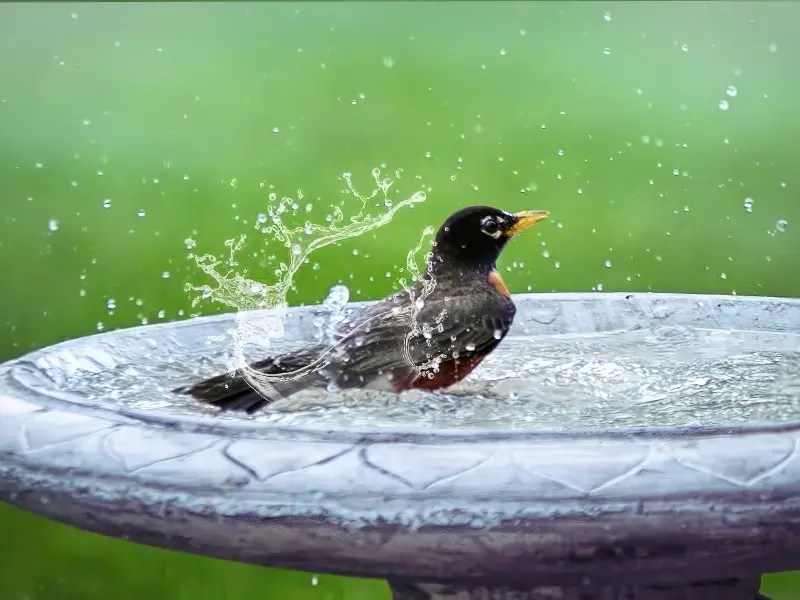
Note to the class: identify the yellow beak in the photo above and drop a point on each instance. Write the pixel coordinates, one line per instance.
(526, 219)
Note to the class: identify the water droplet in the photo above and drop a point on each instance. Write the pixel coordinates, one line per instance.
(607, 264)
(337, 297)
(52, 225)
(107, 203)
(723, 104)
(428, 155)
(469, 347)
(100, 326)
(261, 218)
(111, 304)
(685, 47)
(560, 152)
(140, 212)
(773, 47)
(731, 91)
(165, 275)
(189, 243)
(782, 225)
(39, 165)
(606, 51)
(388, 62)
(498, 334)
(503, 52)
(607, 17)
(314, 580)
(748, 204)
(296, 249)
(723, 275)
(276, 130)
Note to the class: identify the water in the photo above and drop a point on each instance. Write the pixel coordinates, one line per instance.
(665, 376)
(235, 289)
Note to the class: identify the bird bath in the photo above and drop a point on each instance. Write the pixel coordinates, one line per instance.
(614, 446)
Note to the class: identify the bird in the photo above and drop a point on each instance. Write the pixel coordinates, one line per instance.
(427, 336)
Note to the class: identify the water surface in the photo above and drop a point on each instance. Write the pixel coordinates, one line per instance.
(662, 376)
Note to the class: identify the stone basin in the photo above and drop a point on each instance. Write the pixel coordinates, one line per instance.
(630, 485)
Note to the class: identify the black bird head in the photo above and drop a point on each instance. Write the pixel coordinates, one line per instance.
(475, 236)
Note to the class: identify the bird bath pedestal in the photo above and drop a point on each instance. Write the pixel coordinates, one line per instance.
(637, 512)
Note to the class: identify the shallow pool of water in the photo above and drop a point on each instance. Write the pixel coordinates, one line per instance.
(662, 376)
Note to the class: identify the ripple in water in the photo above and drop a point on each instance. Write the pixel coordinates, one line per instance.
(666, 376)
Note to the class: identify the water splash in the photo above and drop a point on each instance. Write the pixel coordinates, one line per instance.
(255, 326)
(332, 312)
(416, 304)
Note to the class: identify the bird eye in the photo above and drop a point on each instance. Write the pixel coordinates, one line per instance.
(490, 227)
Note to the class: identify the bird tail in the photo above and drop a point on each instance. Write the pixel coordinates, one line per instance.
(231, 391)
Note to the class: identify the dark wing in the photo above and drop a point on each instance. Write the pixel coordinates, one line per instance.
(231, 391)
(399, 338)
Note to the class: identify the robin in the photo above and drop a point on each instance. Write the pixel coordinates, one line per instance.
(428, 336)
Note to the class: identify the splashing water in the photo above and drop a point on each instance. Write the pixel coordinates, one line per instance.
(431, 366)
(246, 295)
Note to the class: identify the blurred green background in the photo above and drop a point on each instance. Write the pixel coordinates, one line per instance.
(127, 128)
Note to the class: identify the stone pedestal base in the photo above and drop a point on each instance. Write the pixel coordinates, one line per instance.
(732, 589)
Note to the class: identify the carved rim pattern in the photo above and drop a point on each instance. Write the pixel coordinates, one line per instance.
(491, 506)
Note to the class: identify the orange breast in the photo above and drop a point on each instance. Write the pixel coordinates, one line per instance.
(450, 372)
(497, 283)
